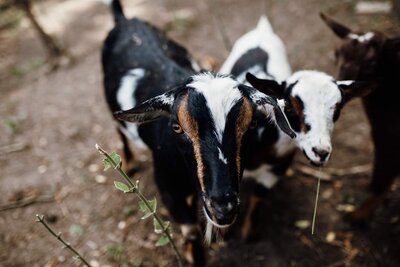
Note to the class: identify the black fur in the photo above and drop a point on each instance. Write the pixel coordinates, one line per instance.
(252, 58)
(134, 44)
(376, 61)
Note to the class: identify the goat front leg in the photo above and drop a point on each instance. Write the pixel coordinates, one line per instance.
(265, 180)
(385, 171)
(193, 250)
(184, 211)
(131, 167)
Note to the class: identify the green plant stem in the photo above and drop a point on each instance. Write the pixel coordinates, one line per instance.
(40, 219)
(134, 189)
(316, 204)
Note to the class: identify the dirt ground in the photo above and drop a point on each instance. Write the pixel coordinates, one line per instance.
(50, 123)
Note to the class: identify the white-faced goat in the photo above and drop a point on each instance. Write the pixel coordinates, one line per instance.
(313, 101)
(196, 125)
(372, 56)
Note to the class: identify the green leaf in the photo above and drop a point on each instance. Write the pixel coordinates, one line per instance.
(158, 228)
(107, 164)
(302, 224)
(116, 158)
(162, 241)
(116, 161)
(148, 212)
(153, 204)
(121, 186)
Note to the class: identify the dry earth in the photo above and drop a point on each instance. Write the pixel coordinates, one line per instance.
(56, 118)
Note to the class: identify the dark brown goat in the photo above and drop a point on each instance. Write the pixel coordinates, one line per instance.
(372, 56)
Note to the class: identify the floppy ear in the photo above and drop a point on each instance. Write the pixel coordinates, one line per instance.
(339, 29)
(268, 87)
(150, 110)
(270, 107)
(352, 89)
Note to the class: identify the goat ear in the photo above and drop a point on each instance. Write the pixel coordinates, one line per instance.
(352, 89)
(268, 87)
(270, 107)
(150, 110)
(339, 29)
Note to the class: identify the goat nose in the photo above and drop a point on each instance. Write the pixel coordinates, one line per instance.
(225, 204)
(321, 153)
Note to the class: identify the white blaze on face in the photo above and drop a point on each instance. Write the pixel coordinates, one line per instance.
(221, 94)
(361, 38)
(222, 157)
(319, 95)
(126, 100)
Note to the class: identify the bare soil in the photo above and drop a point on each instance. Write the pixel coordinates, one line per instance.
(55, 119)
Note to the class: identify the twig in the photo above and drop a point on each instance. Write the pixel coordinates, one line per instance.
(329, 173)
(350, 171)
(134, 189)
(25, 202)
(315, 205)
(6, 149)
(41, 220)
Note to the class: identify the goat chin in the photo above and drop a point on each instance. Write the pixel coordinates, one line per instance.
(212, 229)
(209, 233)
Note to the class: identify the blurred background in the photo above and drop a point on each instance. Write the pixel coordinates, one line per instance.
(52, 113)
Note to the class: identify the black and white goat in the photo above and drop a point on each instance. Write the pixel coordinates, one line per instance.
(374, 57)
(313, 101)
(198, 124)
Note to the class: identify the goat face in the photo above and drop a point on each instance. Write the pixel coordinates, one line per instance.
(313, 101)
(209, 117)
(358, 55)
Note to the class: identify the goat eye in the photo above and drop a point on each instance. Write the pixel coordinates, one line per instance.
(253, 124)
(177, 128)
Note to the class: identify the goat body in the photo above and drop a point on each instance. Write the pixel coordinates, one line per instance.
(312, 103)
(197, 125)
(373, 57)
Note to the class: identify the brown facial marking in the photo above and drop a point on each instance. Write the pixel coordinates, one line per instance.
(299, 109)
(243, 122)
(190, 127)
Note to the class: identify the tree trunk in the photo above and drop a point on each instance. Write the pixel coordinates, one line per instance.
(54, 50)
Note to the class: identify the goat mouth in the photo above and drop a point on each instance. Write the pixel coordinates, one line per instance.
(213, 222)
(313, 162)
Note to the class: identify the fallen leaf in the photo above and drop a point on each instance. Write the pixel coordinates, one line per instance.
(302, 224)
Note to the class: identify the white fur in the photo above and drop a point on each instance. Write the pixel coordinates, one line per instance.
(107, 2)
(189, 231)
(345, 82)
(262, 175)
(221, 94)
(284, 145)
(166, 99)
(126, 100)
(319, 95)
(361, 38)
(222, 157)
(263, 37)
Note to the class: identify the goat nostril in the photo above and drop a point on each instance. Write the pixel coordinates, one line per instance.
(321, 153)
(224, 206)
